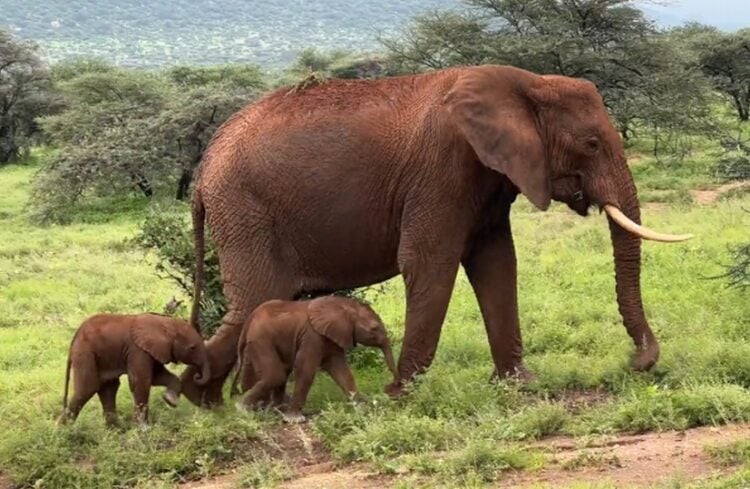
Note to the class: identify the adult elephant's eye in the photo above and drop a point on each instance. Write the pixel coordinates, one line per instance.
(592, 145)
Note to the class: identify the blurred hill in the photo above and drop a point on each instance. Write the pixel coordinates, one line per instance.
(157, 33)
(269, 32)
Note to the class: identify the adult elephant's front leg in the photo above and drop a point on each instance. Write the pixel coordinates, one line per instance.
(428, 291)
(491, 268)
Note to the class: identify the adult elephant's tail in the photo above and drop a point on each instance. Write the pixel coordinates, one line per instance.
(199, 216)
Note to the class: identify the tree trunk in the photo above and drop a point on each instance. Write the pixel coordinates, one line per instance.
(143, 184)
(743, 111)
(183, 184)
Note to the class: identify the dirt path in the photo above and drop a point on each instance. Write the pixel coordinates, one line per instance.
(632, 461)
(625, 461)
(707, 197)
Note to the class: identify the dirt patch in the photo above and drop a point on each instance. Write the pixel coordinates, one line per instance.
(576, 401)
(343, 479)
(631, 461)
(708, 197)
(655, 207)
(624, 461)
(635, 158)
(298, 447)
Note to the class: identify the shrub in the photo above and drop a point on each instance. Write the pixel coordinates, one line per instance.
(168, 234)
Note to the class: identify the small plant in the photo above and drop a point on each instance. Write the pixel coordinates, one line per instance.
(167, 233)
(730, 454)
(484, 460)
(264, 473)
(589, 458)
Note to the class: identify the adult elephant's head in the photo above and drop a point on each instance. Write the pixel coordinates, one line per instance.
(552, 137)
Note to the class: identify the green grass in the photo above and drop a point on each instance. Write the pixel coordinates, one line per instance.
(455, 426)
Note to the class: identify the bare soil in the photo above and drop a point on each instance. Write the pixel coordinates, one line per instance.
(632, 461)
(708, 197)
(636, 461)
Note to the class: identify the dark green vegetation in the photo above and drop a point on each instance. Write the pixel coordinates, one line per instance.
(24, 95)
(87, 217)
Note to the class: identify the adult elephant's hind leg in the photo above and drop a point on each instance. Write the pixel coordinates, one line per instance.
(491, 268)
(251, 276)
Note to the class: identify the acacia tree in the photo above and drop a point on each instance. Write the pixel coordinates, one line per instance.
(97, 139)
(725, 59)
(126, 130)
(205, 98)
(608, 42)
(24, 95)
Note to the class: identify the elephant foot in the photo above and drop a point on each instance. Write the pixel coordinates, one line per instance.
(171, 398)
(645, 358)
(111, 420)
(395, 390)
(293, 417)
(63, 419)
(356, 398)
(518, 373)
(140, 416)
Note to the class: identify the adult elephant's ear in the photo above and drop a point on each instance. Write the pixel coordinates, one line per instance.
(331, 319)
(153, 336)
(491, 108)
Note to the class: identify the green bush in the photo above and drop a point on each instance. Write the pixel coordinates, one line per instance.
(168, 234)
(734, 166)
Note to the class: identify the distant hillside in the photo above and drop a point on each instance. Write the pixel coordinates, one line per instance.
(269, 32)
(154, 32)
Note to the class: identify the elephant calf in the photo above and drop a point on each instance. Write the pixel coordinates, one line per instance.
(281, 337)
(109, 345)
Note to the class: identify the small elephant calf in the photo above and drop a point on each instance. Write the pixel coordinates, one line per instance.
(281, 337)
(109, 345)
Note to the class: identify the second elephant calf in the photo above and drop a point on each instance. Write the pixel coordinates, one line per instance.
(109, 345)
(282, 337)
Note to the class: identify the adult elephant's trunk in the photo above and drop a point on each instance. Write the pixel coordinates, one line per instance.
(627, 256)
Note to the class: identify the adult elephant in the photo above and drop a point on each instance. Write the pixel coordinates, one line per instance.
(347, 183)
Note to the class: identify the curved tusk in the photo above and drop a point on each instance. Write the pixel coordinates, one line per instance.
(645, 233)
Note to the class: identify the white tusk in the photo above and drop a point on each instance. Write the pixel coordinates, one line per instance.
(645, 233)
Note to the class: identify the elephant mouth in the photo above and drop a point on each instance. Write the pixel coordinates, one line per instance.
(579, 204)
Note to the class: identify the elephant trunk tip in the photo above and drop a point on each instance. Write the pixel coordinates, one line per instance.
(201, 378)
(390, 362)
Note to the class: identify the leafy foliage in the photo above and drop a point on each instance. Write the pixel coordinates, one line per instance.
(640, 73)
(340, 64)
(24, 95)
(168, 234)
(725, 59)
(131, 130)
